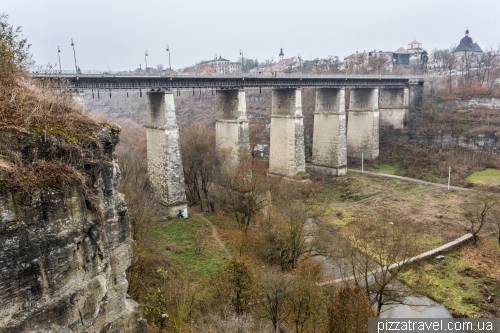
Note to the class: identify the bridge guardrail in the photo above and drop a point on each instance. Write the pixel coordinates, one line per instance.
(93, 73)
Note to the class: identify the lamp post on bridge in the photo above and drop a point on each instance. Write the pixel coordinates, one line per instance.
(241, 54)
(74, 55)
(169, 66)
(300, 62)
(146, 60)
(59, 55)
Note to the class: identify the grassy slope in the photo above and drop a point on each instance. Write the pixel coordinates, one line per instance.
(463, 280)
(188, 244)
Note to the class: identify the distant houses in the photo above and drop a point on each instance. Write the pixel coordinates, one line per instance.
(383, 60)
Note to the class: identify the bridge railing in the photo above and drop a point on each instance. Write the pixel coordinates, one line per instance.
(94, 73)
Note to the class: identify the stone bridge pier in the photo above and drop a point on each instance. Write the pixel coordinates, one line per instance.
(394, 106)
(363, 123)
(164, 153)
(286, 153)
(231, 129)
(329, 153)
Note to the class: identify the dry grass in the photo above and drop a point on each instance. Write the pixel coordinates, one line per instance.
(31, 109)
(46, 139)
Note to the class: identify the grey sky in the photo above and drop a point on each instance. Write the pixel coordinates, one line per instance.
(114, 34)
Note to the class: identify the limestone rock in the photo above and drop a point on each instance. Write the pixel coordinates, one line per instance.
(65, 250)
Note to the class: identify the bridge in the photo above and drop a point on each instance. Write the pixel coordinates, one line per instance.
(131, 80)
(348, 112)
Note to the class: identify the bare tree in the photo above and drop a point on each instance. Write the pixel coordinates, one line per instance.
(286, 236)
(306, 299)
(243, 191)
(480, 216)
(200, 160)
(449, 63)
(349, 311)
(237, 283)
(376, 63)
(379, 251)
(275, 290)
(491, 65)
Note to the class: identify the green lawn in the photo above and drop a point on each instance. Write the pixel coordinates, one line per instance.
(460, 280)
(189, 245)
(385, 168)
(485, 177)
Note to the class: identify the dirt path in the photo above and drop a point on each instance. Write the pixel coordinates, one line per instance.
(215, 234)
(412, 180)
(374, 197)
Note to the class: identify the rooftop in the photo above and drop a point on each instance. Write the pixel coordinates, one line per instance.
(467, 44)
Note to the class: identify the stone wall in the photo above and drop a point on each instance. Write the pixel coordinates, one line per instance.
(63, 261)
(490, 103)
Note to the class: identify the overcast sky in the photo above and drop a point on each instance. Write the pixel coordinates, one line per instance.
(114, 34)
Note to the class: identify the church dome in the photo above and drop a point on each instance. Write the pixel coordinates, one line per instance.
(466, 40)
(467, 44)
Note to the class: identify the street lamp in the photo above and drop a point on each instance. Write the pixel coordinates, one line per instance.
(59, 55)
(168, 50)
(300, 62)
(74, 55)
(241, 54)
(146, 60)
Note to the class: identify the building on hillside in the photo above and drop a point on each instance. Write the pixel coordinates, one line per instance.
(356, 61)
(415, 48)
(219, 66)
(467, 53)
(467, 45)
(401, 57)
(283, 65)
(384, 60)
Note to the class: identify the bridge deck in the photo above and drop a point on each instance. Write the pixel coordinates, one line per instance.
(131, 81)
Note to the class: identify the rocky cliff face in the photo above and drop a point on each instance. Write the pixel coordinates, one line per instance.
(65, 246)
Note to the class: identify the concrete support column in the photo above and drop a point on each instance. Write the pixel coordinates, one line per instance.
(286, 154)
(416, 91)
(329, 154)
(393, 106)
(164, 153)
(77, 97)
(363, 123)
(231, 129)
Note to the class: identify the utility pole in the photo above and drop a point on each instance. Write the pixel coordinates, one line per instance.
(74, 55)
(146, 60)
(59, 55)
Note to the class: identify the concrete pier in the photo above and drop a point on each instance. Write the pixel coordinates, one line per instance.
(231, 130)
(164, 153)
(393, 106)
(329, 154)
(416, 101)
(286, 154)
(77, 97)
(363, 123)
